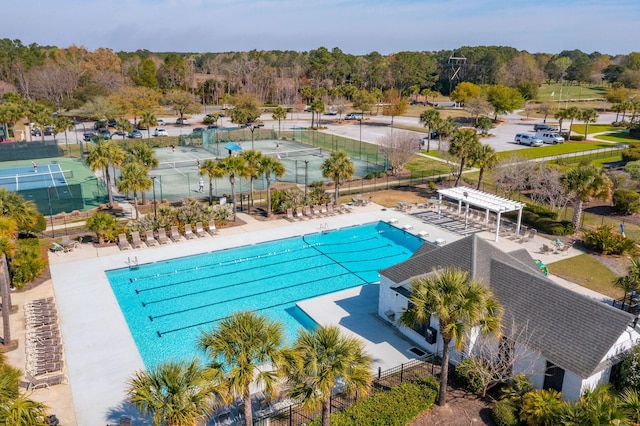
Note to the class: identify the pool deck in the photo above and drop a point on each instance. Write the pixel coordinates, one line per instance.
(101, 354)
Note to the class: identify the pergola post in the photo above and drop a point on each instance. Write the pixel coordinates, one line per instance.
(466, 216)
(439, 205)
(519, 221)
(499, 213)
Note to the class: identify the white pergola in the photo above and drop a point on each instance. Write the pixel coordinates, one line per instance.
(481, 200)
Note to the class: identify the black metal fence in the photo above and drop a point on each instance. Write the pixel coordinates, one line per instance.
(11, 151)
(296, 415)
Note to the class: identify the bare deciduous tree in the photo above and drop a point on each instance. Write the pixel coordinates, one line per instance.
(546, 188)
(399, 147)
(511, 174)
(492, 359)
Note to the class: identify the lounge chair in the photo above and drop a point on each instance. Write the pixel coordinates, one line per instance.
(55, 247)
(545, 249)
(162, 236)
(136, 242)
(200, 230)
(150, 239)
(331, 211)
(289, 216)
(188, 233)
(69, 244)
(123, 243)
(42, 382)
(299, 214)
(323, 209)
(316, 211)
(176, 235)
(211, 227)
(307, 211)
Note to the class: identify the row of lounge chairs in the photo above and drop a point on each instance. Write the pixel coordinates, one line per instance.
(309, 212)
(43, 344)
(151, 239)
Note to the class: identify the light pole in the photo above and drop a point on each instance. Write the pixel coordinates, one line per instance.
(84, 130)
(155, 212)
(306, 167)
(53, 232)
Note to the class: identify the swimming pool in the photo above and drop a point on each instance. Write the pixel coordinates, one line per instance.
(167, 304)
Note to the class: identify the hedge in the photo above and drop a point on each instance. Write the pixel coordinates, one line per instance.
(394, 408)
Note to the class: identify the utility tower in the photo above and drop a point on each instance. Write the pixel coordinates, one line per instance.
(457, 65)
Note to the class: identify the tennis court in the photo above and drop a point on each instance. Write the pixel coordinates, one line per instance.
(32, 177)
(177, 177)
(60, 185)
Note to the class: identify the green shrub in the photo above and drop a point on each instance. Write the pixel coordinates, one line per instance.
(505, 413)
(27, 263)
(433, 186)
(605, 240)
(553, 227)
(541, 210)
(631, 154)
(630, 371)
(397, 407)
(578, 138)
(626, 201)
(466, 372)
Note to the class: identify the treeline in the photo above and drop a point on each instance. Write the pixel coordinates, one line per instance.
(70, 77)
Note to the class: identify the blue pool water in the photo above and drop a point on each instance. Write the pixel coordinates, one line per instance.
(167, 304)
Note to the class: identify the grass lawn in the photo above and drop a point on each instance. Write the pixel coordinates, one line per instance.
(551, 150)
(562, 92)
(593, 128)
(588, 272)
(622, 137)
(422, 166)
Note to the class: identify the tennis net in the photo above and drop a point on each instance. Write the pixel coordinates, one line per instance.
(307, 152)
(184, 164)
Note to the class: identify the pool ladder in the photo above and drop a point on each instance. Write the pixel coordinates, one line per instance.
(133, 263)
(324, 227)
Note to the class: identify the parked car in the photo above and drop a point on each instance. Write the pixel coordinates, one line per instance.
(36, 132)
(100, 124)
(87, 136)
(550, 137)
(135, 133)
(528, 139)
(212, 127)
(160, 132)
(104, 133)
(354, 116)
(544, 128)
(112, 123)
(425, 139)
(119, 133)
(181, 121)
(160, 122)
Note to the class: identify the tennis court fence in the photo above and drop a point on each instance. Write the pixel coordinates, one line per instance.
(12, 151)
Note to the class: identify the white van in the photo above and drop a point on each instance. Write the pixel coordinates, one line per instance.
(353, 116)
(550, 137)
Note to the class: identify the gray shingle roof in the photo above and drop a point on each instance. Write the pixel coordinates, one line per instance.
(570, 330)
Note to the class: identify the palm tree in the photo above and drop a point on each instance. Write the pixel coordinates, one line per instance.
(271, 166)
(148, 119)
(461, 305)
(561, 115)
(338, 167)
(134, 178)
(572, 114)
(463, 143)
(598, 406)
(124, 125)
(322, 359)
(584, 182)
(176, 393)
(9, 381)
(209, 168)
(252, 160)
(279, 113)
(24, 212)
(101, 223)
(23, 411)
(142, 154)
(245, 344)
(631, 281)
(11, 113)
(484, 158)
(588, 116)
(541, 408)
(232, 166)
(101, 156)
(63, 124)
(617, 108)
(430, 119)
(631, 402)
(448, 126)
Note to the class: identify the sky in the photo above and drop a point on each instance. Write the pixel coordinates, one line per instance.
(355, 26)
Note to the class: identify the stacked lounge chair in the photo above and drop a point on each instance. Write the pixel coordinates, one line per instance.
(123, 243)
(188, 232)
(162, 236)
(200, 230)
(43, 344)
(150, 239)
(135, 240)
